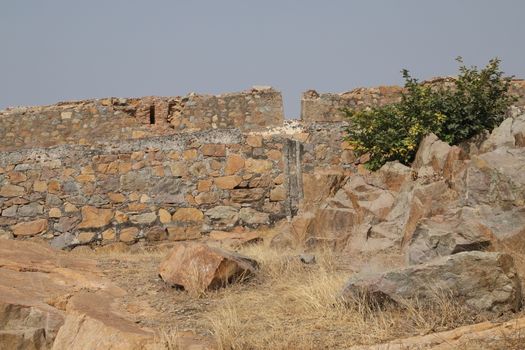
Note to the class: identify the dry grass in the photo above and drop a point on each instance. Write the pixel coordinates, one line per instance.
(295, 306)
(287, 305)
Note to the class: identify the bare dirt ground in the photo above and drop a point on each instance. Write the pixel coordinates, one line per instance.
(289, 305)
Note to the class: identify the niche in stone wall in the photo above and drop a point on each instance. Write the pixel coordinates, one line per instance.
(152, 114)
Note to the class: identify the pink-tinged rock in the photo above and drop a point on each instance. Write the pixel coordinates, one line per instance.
(197, 267)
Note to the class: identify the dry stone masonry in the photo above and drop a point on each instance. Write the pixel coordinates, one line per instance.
(175, 168)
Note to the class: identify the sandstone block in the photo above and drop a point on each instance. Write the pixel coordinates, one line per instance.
(228, 182)
(164, 216)
(40, 186)
(247, 195)
(144, 219)
(55, 213)
(85, 237)
(253, 217)
(234, 163)
(188, 215)
(254, 140)
(258, 166)
(12, 191)
(204, 185)
(29, 228)
(129, 234)
(214, 150)
(93, 217)
(183, 233)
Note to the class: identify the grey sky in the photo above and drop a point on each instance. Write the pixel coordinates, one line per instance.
(58, 50)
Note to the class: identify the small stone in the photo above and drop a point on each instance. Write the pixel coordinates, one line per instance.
(116, 197)
(254, 140)
(214, 150)
(188, 215)
(54, 213)
(144, 219)
(204, 185)
(156, 234)
(93, 217)
(16, 177)
(10, 212)
(121, 217)
(66, 115)
(183, 233)
(29, 228)
(278, 194)
(85, 237)
(108, 235)
(307, 259)
(228, 182)
(253, 217)
(259, 166)
(189, 154)
(145, 198)
(40, 186)
(32, 209)
(164, 216)
(70, 208)
(12, 191)
(234, 163)
(129, 234)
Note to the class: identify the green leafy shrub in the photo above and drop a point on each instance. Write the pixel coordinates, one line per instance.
(476, 101)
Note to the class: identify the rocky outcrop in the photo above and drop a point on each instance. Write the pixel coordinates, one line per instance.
(49, 299)
(197, 267)
(486, 282)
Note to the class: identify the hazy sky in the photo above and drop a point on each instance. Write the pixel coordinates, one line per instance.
(57, 50)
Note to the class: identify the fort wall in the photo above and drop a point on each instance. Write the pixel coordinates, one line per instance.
(170, 168)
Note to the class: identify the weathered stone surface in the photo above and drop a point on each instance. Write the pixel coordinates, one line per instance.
(12, 191)
(431, 156)
(93, 217)
(278, 194)
(247, 195)
(214, 150)
(486, 282)
(228, 182)
(188, 215)
(36, 284)
(234, 163)
(251, 216)
(129, 234)
(258, 166)
(223, 216)
(441, 236)
(29, 228)
(143, 219)
(184, 232)
(32, 209)
(197, 267)
(164, 216)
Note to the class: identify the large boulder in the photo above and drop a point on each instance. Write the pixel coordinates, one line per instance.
(442, 235)
(197, 267)
(486, 282)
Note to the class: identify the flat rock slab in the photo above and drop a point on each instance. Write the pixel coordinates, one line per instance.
(486, 282)
(196, 267)
(52, 299)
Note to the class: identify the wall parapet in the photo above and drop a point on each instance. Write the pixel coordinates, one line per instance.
(326, 107)
(92, 121)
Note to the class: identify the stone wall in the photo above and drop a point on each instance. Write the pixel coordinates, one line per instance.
(327, 107)
(157, 188)
(100, 171)
(92, 121)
